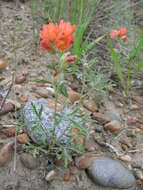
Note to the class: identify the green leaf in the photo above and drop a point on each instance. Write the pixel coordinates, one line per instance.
(136, 51)
(92, 44)
(139, 66)
(62, 89)
(116, 61)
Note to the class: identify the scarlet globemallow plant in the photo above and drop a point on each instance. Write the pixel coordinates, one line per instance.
(55, 39)
(117, 34)
(130, 59)
(56, 36)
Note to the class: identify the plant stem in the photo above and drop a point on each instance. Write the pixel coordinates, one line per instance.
(83, 86)
(129, 78)
(55, 109)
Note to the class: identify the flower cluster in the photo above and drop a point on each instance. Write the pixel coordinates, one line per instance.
(116, 34)
(56, 36)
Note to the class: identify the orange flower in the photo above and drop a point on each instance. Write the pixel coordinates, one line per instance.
(49, 32)
(114, 34)
(65, 37)
(59, 36)
(123, 32)
(46, 45)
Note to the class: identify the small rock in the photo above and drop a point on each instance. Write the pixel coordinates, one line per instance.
(51, 105)
(131, 120)
(67, 175)
(101, 118)
(50, 176)
(113, 126)
(84, 161)
(136, 165)
(137, 99)
(7, 107)
(110, 173)
(90, 105)
(42, 92)
(20, 79)
(2, 65)
(139, 174)
(22, 138)
(23, 98)
(6, 153)
(29, 161)
(73, 96)
(126, 158)
(15, 103)
(98, 128)
(134, 143)
(10, 132)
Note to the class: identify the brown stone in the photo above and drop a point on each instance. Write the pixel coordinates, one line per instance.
(50, 176)
(20, 79)
(84, 161)
(73, 96)
(6, 153)
(29, 161)
(23, 98)
(101, 118)
(2, 65)
(113, 126)
(22, 138)
(67, 175)
(7, 107)
(90, 105)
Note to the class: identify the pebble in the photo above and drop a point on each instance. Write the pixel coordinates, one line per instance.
(42, 92)
(7, 107)
(6, 153)
(110, 173)
(23, 98)
(15, 103)
(126, 158)
(43, 133)
(98, 128)
(84, 161)
(73, 96)
(67, 175)
(90, 105)
(20, 79)
(29, 161)
(101, 118)
(2, 65)
(50, 176)
(113, 126)
(22, 138)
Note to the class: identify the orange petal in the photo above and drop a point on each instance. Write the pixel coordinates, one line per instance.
(123, 31)
(114, 34)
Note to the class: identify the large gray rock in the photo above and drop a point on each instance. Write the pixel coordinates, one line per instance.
(40, 129)
(110, 173)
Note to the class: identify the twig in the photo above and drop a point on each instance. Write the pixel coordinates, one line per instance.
(4, 99)
(109, 146)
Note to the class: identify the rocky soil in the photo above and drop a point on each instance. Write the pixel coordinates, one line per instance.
(114, 150)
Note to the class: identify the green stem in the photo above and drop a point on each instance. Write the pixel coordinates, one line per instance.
(129, 78)
(55, 110)
(83, 86)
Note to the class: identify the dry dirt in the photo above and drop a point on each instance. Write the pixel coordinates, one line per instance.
(15, 21)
